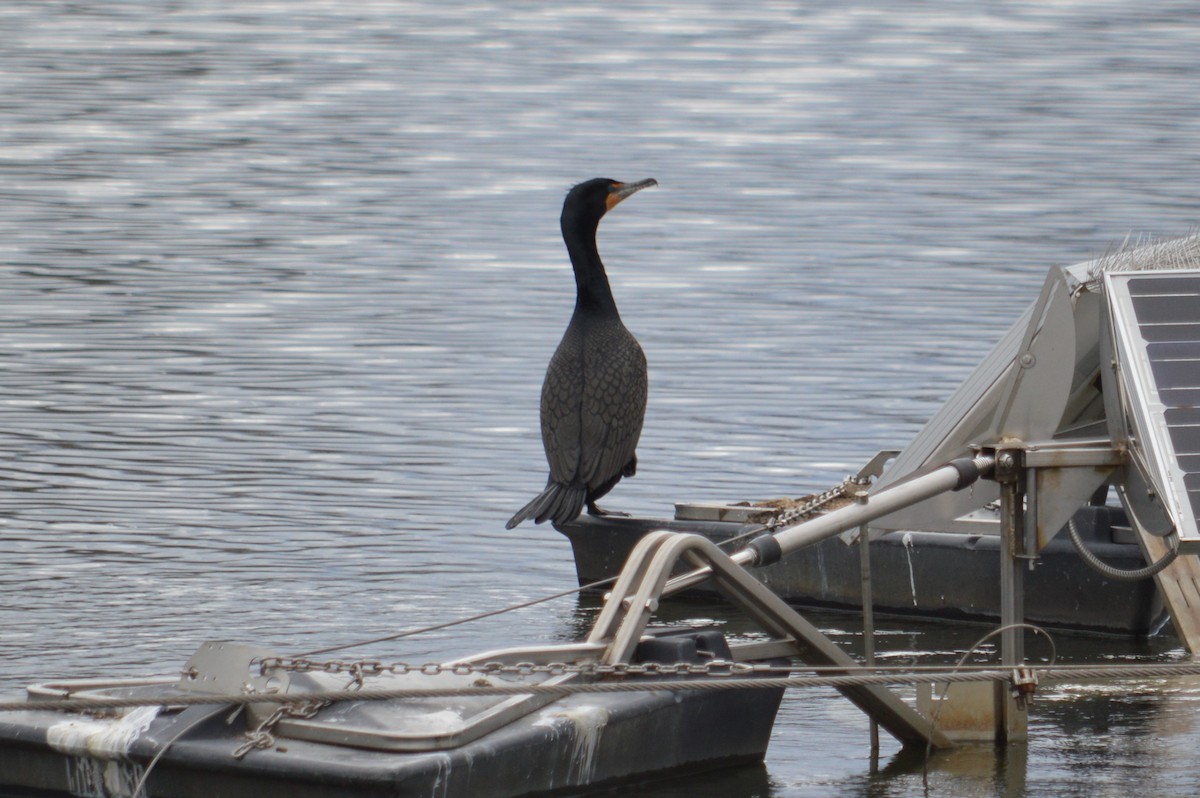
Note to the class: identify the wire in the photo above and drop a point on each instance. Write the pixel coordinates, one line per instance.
(937, 710)
(460, 621)
(752, 531)
(758, 528)
(1112, 572)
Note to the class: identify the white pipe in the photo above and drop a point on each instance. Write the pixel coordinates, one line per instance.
(897, 497)
(955, 475)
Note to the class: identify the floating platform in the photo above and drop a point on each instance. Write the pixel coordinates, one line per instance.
(405, 748)
(1093, 391)
(937, 575)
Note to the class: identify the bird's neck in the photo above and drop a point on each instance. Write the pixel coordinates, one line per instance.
(593, 293)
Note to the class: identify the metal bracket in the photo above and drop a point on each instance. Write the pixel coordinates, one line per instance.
(224, 668)
(1056, 478)
(1091, 453)
(1024, 684)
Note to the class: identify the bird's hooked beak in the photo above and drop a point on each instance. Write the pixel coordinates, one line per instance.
(620, 191)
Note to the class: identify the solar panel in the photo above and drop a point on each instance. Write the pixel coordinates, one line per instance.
(1156, 332)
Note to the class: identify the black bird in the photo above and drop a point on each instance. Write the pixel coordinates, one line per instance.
(594, 395)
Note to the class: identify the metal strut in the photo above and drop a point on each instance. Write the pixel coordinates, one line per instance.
(635, 598)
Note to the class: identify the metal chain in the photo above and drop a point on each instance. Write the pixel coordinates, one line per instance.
(263, 736)
(852, 677)
(364, 669)
(787, 517)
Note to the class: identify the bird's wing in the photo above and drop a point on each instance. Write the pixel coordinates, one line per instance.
(613, 408)
(562, 396)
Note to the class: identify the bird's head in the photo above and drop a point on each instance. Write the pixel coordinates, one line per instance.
(587, 202)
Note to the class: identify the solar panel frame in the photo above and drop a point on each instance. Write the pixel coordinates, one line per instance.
(1156, 330)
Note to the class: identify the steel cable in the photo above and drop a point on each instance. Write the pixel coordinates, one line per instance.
(1046, 673)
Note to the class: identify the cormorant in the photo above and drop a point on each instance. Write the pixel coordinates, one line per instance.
(594, 395)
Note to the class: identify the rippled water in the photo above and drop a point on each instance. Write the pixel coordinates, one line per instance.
(280, 281)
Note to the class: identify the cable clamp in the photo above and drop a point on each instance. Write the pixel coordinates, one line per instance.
(1024, 683)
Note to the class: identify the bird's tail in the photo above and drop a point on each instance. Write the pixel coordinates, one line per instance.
(558, 503)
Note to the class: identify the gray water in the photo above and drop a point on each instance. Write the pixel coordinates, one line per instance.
(280, 281)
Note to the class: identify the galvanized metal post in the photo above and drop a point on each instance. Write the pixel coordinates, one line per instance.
(868, 618)
(1011, 717)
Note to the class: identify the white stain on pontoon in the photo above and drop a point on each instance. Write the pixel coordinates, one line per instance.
(908, 549)
(441, 782)
(586, 724)
(101, 746)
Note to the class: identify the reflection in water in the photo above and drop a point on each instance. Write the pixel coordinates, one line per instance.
(280, 284)
(751, 781)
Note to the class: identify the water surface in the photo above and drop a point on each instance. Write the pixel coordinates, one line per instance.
(280, 281)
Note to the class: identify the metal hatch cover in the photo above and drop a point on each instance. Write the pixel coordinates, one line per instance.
(413, 724)
(404, 724)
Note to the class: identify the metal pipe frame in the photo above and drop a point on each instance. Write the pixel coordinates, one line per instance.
(643, 580)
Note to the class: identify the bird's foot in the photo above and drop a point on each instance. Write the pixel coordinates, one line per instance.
(597, 510)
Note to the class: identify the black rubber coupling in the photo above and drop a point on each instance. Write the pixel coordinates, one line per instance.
(968, 471)
(766, 550)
